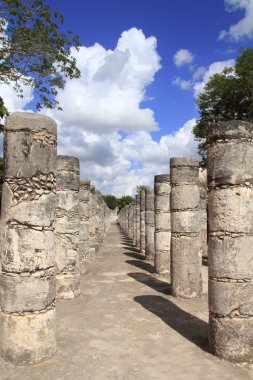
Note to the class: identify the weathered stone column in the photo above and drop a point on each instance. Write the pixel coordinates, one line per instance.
(92, 223)
(230, 251)
(142, 221)
(203, 211)
(138, 216)
(149, 223)
(84, 247)
(134, 222)
(130, 221)
(186, 258)
(67, 226)
(27, 281)
(162, 224)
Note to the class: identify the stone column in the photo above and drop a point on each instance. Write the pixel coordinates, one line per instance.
(230, 250)
(186, 258)
(149, 223)
(130, 221)
(84, 247)
(162, 224)
(142, 221)
(138, 216)
(27, 281)
(203, 211)
(92, 224)
(67, 226)
(134, 222)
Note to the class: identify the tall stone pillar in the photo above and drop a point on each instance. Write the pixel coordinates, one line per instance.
(203, 211)
(142, 221)
(149, 223)
(67, 226)
(27, 280)
(92, 223)
(230, 253)
(130, 221)
(162, 224)
(186, 258)
(138, 220)
(134, 222)
(84, 247)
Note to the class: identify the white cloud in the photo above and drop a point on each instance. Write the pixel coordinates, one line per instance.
(214, 68)
(244, 27)
(182, 83)
(117, 165)
(202, 75)
(11, 99)
(112, 86)
(183, 57)
(105, 101)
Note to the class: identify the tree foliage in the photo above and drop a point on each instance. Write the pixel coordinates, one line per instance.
(124, 201)
(226, 96)
(34, 51)
(113, 202)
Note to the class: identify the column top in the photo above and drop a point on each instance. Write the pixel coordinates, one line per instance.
(184, 161)
(232, 129)
(162, 178)
(30, 121)
(67, 163)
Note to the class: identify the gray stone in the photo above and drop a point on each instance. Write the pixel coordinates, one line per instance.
(230, 175)
(162, 224)
(185, 228)
(27, 280)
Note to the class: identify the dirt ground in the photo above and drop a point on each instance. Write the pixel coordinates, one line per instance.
(126, 325)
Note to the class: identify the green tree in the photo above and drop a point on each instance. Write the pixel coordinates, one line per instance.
(226, 96)
(124, 201)
(34, 51)
(111, 201)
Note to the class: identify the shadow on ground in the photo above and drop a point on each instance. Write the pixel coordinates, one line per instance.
(142, 265)
(134, 255)
(152, 282)
(189, 326)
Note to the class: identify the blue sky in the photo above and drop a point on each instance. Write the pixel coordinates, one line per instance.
(143, 63)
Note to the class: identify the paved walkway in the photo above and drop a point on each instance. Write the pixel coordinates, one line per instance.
(126, 326)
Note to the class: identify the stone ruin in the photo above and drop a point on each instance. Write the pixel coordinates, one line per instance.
(200, 215)
(53, 223)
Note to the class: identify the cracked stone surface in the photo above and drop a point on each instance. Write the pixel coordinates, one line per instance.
(126, 326)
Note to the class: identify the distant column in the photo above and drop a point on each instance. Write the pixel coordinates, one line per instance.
(92, 223)
(142, 221)
(138, 220)
(67, 225)
(134, 222)
(230, 251)
(185, 228)
(162, 224)
(27, 281)
(149, 223)
(84, 247)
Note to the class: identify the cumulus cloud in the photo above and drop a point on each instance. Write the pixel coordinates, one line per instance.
(183, 57)
(214, 68)
(103, 122)
(182, 83)
(112, 86)
(244, 27)
(11, 99)
(118, 164)
(201, 75)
